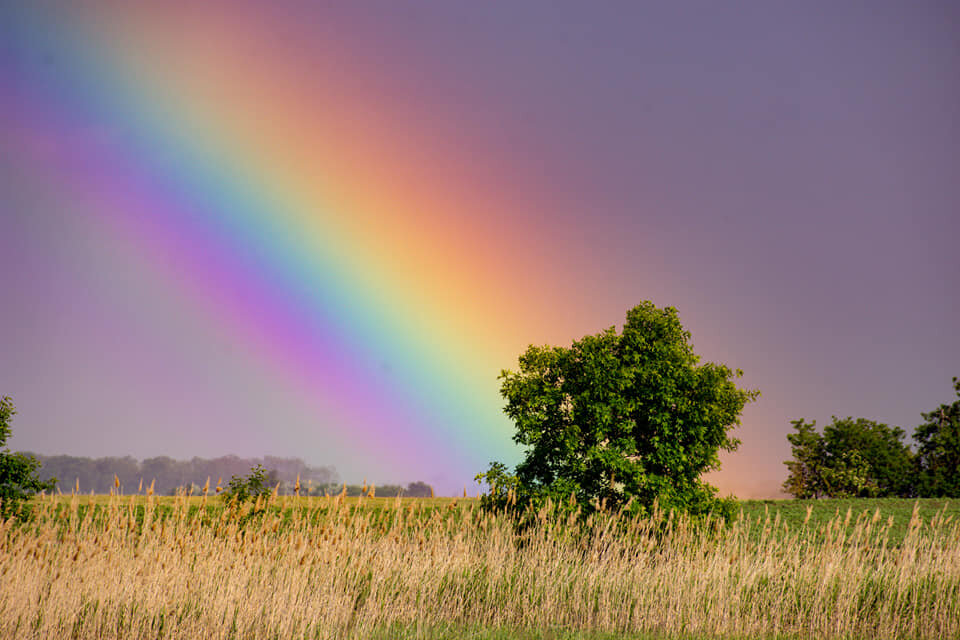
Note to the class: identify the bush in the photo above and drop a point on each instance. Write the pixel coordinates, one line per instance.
(18, 471)
(252, 487)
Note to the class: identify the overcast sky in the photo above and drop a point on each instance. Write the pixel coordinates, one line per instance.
(785, 174)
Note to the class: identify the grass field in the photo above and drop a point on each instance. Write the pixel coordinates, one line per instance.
(793, 513)
(148, 567)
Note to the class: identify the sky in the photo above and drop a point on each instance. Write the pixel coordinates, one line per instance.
(322, 231)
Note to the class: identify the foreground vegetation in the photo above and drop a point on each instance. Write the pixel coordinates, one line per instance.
(331, 567)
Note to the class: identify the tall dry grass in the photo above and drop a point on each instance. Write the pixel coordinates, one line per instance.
(331, 571)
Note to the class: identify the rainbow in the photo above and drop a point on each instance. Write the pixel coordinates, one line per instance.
(294, 215)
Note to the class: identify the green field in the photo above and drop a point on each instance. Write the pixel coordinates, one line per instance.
(792, 513)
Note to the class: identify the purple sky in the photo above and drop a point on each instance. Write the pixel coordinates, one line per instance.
(786, 175)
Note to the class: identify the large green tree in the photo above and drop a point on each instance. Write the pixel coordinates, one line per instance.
(618, 417)
(938, 450)
(853, 457)
(18, 472)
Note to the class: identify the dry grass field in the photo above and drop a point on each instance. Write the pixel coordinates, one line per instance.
(143, 567)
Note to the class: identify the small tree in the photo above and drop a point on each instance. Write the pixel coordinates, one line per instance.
(618, 418)
(18, 472)
(938, 450)
(250, 488)
(804, 479)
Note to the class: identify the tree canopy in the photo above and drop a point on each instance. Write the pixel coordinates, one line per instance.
(618, 417)
(938, 450)
(853, 457)
(863, 458)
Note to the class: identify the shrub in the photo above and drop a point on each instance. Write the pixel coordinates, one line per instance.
(252, 487)
(18, 471)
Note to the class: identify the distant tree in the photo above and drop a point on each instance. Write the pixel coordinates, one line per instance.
(125, 469)
(848, 476)
(888, 461)
(169, 475)
(853, 458)
(617, 418)
(66, 471)
(418, 490)
(804, 479)
(938, 450)
(251, 487)
(18, 471)
(164, 472)
(388, 490)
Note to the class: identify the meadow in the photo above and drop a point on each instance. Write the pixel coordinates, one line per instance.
(187, 567)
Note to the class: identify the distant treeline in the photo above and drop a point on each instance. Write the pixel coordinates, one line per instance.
(856, 457)
(168, 476)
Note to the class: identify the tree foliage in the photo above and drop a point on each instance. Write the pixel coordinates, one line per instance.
(853, 457)
(618, 417)
(803, 480)
(938, 450)
(18, 471)
(257, 483)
